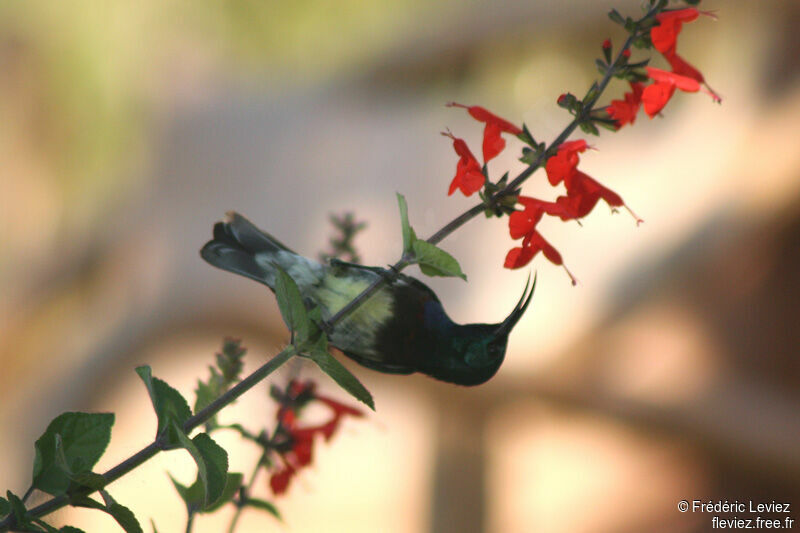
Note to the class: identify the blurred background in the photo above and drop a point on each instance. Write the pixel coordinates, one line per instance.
(670, 372)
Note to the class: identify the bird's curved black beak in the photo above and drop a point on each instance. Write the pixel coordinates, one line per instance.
(505, 327)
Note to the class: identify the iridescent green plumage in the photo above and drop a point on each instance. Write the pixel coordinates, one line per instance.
(400, 329)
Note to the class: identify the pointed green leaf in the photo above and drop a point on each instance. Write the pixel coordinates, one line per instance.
(408, 232)
(153, 524)
(192, 495)
(290, 302)
(169, 405)
(70, 529)
(212, 464)
(5, 507)
(124, 516)
(433, 261)
(328, 364)
(83, 439)
(232, 485)
(526, 136)
(264, 506)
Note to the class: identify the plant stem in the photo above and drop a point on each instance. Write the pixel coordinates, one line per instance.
(239, 508)
(153, 448)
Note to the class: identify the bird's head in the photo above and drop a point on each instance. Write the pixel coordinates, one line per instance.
(479, 349)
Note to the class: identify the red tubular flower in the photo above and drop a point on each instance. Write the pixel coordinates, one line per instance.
(624, 111)
(469, 175)
(656, 95)
(606, 44)
(561, 165)
(682, 67)
(665, 35)
(493, 143)
(665, 40)
(583, 193)
(532, 244)
(520, 223)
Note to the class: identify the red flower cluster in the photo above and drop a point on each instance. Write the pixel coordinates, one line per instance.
(583, 193)
(297, 449)
(683, 75)
(469, 174)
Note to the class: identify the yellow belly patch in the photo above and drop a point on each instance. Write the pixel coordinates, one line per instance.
(334, 293)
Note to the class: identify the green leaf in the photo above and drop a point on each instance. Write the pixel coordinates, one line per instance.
(526, 136)
(192, 495)
(124, 516)
(212, 464)
(408, 233)
(5, 507)
(328, 364)
(169, 405)
(70, 529)
(232, 485)
(83, 439)
(152, 523)
(264, 506)
(615, 16)
(433, 261)
(290, 302)
(229, 361)
(205, 393)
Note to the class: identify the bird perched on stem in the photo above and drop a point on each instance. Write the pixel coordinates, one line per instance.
(401, 329)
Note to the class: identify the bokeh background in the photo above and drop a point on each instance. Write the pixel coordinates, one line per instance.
(671, 372)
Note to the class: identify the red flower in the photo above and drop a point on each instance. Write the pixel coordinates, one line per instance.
(493, 143)
(520, 223)
(624, 111)
(682, 67)
(665, 40)
(583, 193)
(561, 165)
(656, 95)
(279, 481)
(532, 244)
(606, 44)
(469, 176)
(297, 451)
(665, 35)
(626, 53)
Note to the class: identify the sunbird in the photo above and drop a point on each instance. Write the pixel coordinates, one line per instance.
(401, 329)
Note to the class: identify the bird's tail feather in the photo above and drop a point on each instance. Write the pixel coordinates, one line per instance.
(235, 245)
